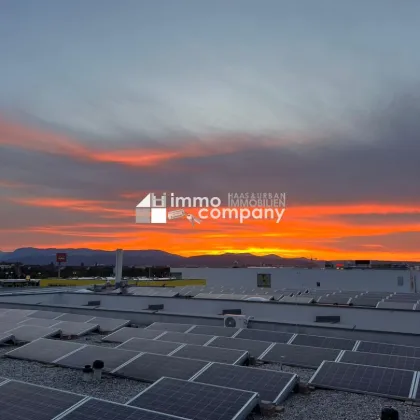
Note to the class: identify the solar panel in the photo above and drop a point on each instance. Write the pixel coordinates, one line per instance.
(40, 322)
(263, 335)
(325, 342)
(185, 338)
(27, 333)
(150, 346)
(93, 409)
(272, 386)
(365, 301)
(22, 401)
(46, 314)
(212, 354)
(112, 358)
(336, 299)
(196, 401)
(409, 306)
(384, 348)
(74, 317)
(150, 367)
(253, 347)
(75, 329)
(168, 326)
(381, 381)
(211, 330)
(297, 299)
(44, 350)
(109, 324)
(385, 360)
(301, 356)
(125, 333)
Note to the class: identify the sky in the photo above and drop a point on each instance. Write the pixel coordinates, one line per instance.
(102, 102)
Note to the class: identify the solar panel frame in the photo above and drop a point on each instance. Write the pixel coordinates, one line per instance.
(125, 333)
(255, 348)
(185, 338)
(43, 355)
(144, 345)
(113, 358)
(359, 372)
(213, 375)
(30, 401)
(168, 326)
(387, 348)
(98, 409)
(213, 330)
(299, 356)
(193, 399)
(149, 367)
(264, 335)
(382, 360)
(323, 342)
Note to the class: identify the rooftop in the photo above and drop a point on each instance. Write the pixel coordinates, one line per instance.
(49, 347)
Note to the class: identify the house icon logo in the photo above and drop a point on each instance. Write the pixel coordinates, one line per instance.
(152, 209)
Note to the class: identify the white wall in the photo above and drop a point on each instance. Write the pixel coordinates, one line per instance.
(357, 318)
(358, 280)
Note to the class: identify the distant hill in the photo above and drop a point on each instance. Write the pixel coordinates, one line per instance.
(86, 256)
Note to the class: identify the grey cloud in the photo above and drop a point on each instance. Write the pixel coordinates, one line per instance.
(374, 159)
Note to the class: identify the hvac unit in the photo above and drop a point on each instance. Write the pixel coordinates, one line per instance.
(235, 321)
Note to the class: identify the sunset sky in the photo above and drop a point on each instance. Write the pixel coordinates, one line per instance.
(103, 101)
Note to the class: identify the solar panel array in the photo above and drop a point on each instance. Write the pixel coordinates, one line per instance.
(320, 297)
(253, 347)
(272, 386)
(44, 350)
(381, 381)
(211, 330)
(384, 360)
(150, 346)
(70, 324)
(212, 354)
(196, 401)
(384, 348)
(325, 342)
(150, 367)
(301, 356)
(86, 355)
(125, 333)
(22, 401)
(163, 326)
(99, 409)
(185, 338)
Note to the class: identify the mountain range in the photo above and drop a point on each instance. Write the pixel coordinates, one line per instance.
(89, 257)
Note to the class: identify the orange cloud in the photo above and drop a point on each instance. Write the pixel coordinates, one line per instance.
(89, 206)
(30, 138)
(295, 236)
